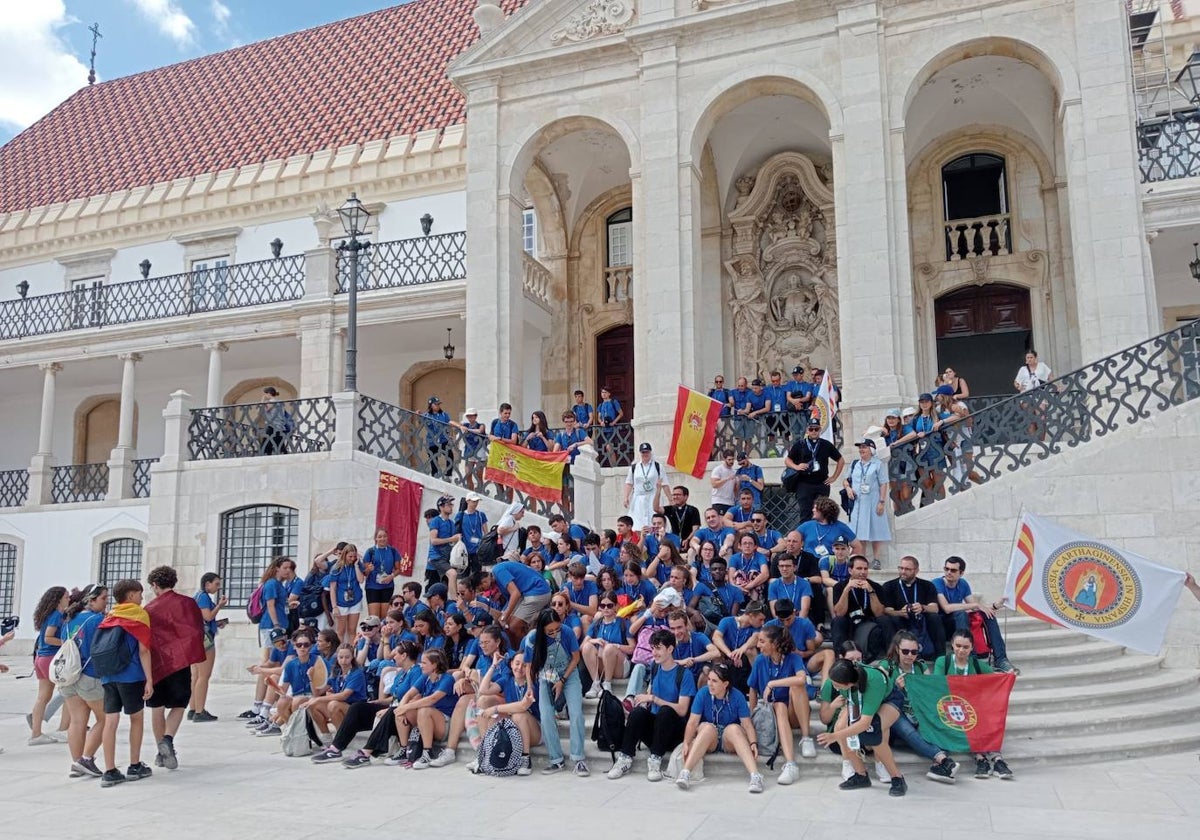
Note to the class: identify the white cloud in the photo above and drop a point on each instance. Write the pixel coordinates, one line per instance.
(171, 20)
(220, 14)
(37, 71)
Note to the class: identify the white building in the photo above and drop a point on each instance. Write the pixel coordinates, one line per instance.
(652, 192)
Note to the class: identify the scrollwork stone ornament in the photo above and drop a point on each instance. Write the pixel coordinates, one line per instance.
(597, 19)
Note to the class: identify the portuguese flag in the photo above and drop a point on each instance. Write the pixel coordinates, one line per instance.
(963, 714)
(539, 474)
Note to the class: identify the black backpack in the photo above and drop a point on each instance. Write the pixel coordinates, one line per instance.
(490, 548)
(608, 729)
(312, 597)
(110, 653)
(500, 752)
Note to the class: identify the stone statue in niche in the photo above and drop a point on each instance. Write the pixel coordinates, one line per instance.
(750, 306)
(794, 304)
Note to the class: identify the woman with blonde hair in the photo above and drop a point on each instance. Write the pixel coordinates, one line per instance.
(346, 578)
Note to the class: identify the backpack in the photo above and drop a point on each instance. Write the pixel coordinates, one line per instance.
(608, 729)
(255, 608)
(675, 765)
(948, 664)
(979, 634)
(500, 751)
(641, 653)
(766, 730)
(66, 666)
(489, 548)
(414, 748)
(110, 653)
(297, 737)
(459, 558)
(312, 597)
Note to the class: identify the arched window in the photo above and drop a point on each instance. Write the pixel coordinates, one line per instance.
(8, 579)
(620, 238)
(250, 537)
(975, 203)
(120, 559)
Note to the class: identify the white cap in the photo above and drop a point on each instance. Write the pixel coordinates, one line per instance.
(908, 411)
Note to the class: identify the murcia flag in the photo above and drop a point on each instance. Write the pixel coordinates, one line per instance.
(696, 418)
(961, 714)
(398, 511)
(538, 474)
(824, 407)
(1065, 578)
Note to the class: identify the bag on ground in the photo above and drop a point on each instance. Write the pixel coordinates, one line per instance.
(501, 749)
(675, 765)
(766, 730)
(296, 737)
(608, 729)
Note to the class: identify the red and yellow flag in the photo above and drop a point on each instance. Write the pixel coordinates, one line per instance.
(132, 619)
(696, 418)
(539, 474)
(398, 511)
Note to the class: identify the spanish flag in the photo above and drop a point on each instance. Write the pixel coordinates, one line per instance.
(696, 418)
(132, 619)
(538, 474)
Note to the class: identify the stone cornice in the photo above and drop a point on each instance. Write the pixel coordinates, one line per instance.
(1168, 204)
(251, 194)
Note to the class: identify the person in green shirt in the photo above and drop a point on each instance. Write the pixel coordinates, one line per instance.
(867, 723)
(901, 660)
(962, 662)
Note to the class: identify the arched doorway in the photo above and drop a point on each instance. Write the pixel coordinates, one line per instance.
(97, 420)
(983, 333)
(614, 366)
(448, 383)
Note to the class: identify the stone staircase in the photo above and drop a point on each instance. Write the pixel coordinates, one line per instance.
(1077, 700)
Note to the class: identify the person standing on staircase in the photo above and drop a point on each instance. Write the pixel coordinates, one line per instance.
(957, 602)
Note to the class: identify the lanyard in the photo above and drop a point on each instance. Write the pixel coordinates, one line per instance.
(791, 591)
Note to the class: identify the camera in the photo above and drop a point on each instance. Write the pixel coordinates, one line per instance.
(9, 624)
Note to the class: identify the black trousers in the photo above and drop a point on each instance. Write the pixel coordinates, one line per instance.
(806, 494)
(359, 718)
(870, 636)
(661, 732)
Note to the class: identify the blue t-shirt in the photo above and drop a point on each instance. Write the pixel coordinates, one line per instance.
(815, 535)
(567, 439)
(701, 590)
(278, 656)
(56, 620)
(473, 526)
(751, 566)
(794, 591)
(615, 632)
(566, 645)
(436, 423)
(608, 411)
(444, 683)
(505, 429)
(133, 672)
(740, 397)
(295, 674)
(756, 402)
(731, 596)
(734, 635)
(537, 443)
(473, 440)
(403, 680)
(582, 412)
(769, 538)
(764, 670)
(205, 602)
(611, 557)
(957, 595)
(837, 571)
(716, 537)
(720, 712)
(777, 394)
(442, 529)
(527, 580)
(696, 645)
(582, 595)
(83, 628)
(722, 396)
(662, 685)
(349, 590)
(802, 631)
(386, 560)
(273, 590)
(355, 681)
(740, 515)
(644, 590)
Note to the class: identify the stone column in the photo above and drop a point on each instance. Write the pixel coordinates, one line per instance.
(320, 356)
(874, 278)
(164, 544)
(120, 461)
(41, 466)
(213, 392)
(589, 484)
(345, 441)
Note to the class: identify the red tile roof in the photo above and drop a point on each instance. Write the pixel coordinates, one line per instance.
(365, 78)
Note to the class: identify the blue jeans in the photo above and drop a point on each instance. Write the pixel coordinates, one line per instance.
(573, 691)
(637, 680)
(962, 621)
(907, 732)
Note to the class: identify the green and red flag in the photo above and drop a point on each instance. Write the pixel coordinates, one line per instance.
(962, 714)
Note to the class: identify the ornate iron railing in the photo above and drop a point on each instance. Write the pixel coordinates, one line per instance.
(191, 293)
(14, 487)
(279, 427)
(1169, 147)
(437, 449)
(765, 436)
(1096, 400)
(407, 262)
(781, 508)
(141, 477)
(79, 483)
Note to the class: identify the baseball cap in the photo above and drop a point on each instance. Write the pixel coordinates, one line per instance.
(756, 381)
(645, 447)
(433, 400)
(445, 500)
(814, 424)
(474, 497)
(866, 442)
(743, 456)
(908, 411)
(277, 634)
(482, 620)
(798, 369)
(841, 541)
(438, 589)
(470, 412)
(668, 598)
(943, 391)
(892, 412)
(925, 397)
(371, 621)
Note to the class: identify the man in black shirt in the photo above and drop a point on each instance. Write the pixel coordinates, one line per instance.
(810, 457)
(684, 518)
(857, 607)
(910, 603)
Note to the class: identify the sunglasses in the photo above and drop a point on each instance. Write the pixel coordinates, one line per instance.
(757, 521)
(368, 627)
(608, 606)
(909, 651)
(949, 568)
(301, 645)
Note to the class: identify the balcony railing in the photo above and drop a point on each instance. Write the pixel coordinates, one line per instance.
(14, 487)
(765, 436)
(1120, 390)
(617, 279)
(987, 235)
(191, 293)
(280, 427)
(141, 477)
(535, 279)
(407, 262)
(1169, 147)
(437, 449)
(79, 483)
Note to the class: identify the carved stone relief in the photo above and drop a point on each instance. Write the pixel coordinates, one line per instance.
(597, 19)
(782, 268)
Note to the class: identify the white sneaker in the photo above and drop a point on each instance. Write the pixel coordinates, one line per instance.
(808, 748)
(847, 769)
(756, 783)
(41, 740)
(882, 774)
(654, 768)
(606, 685)
(593, 692)
(443, 758)
(424, 762)
(685, 780)
(473, 767)
(620, 766)
(790, 774)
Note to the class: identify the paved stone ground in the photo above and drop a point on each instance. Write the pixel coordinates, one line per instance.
(231, 784)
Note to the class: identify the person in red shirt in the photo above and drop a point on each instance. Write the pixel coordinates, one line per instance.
(176, 644)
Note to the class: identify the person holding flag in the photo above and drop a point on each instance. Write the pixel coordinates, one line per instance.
(867, 723)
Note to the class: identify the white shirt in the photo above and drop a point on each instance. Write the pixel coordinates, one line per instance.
(726, 494)
(1027, 380)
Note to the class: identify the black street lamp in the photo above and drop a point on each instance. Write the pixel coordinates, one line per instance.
(354, 221)
(1194, 265)
(23, 289)
(426, 224)
(276, 247)
(448, 348)
(144, 268)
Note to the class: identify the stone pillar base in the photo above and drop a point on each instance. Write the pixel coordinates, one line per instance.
(41, 475)
(120, 474)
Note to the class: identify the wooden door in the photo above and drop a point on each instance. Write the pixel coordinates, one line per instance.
(614, 367)
(983, 333)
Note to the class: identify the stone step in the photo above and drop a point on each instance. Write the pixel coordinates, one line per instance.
(1069, 653)
(1037, 638)
(1106, 746)
(1161, 711)
(1099, 698)
(1083, 676)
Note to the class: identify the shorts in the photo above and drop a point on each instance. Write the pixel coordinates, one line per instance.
(896, 698)
(531, 606)
(124, 697)
(380, 596)
(353, 609)
(41, 666)
(173, 691)
(88, 689)
(873, 737)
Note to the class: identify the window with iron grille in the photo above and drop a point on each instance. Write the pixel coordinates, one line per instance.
(8, 579)
(120, 559)
(250, 537)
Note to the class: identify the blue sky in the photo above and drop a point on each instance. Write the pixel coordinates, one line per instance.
(45, 44)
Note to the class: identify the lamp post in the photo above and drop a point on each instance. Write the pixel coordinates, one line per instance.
(1194, 265)
(1188, 78)
(354, 221)
(448, 348)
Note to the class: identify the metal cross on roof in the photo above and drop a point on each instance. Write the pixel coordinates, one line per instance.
(95, 30)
